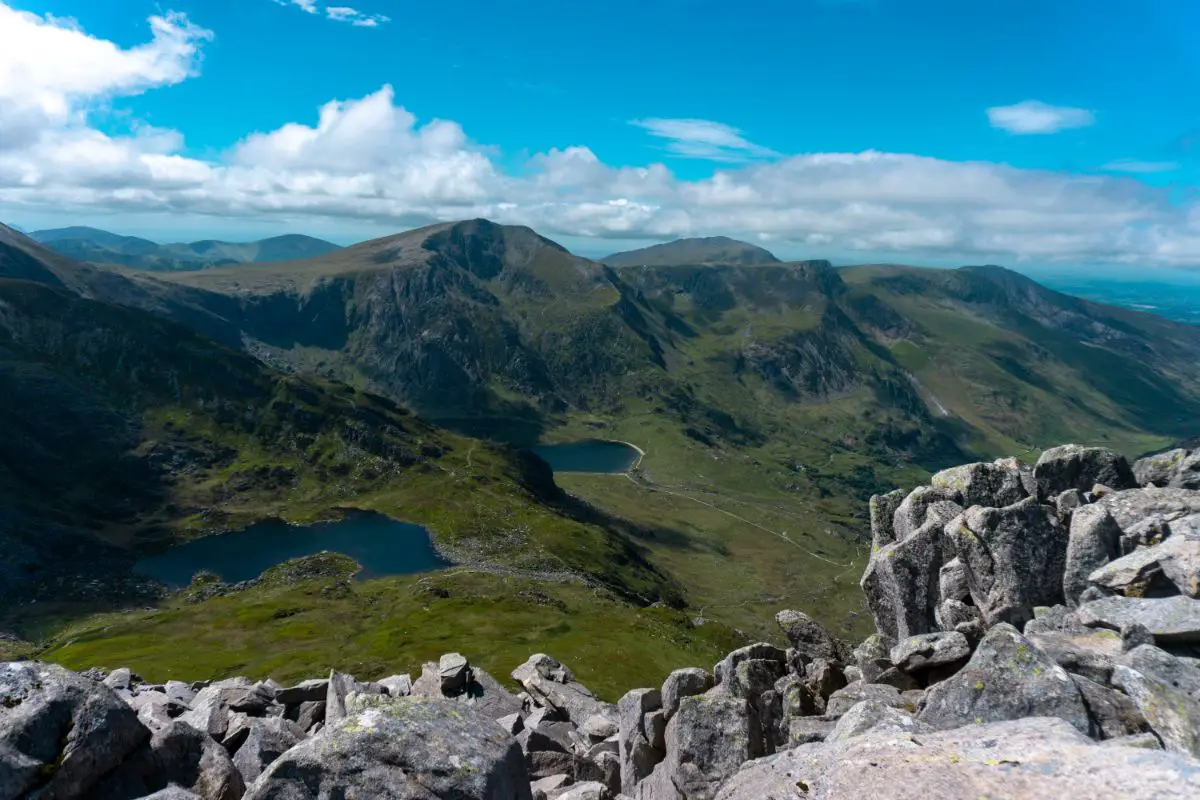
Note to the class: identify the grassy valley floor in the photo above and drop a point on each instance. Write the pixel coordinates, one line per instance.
(382, 627)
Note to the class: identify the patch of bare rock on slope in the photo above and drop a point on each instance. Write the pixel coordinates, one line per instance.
(1038, 635)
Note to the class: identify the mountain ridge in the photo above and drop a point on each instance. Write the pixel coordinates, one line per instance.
(100, 246)
(693, 252)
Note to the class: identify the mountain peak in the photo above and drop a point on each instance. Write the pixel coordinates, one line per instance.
(694, 252)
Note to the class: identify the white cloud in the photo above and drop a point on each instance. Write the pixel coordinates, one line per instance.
(1136, 167)
(704, 139)
(370, 163)
(304, 5)
(355, 17)
(1034, 116)
(51, 72)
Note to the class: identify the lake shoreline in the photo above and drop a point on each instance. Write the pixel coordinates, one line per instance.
(379, 542)
(571, 456)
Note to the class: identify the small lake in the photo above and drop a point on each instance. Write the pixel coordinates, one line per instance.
(380, 544)
(589, 455)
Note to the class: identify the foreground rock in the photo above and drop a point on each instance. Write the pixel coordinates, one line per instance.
(1081, 468)
(1172, 619)
(60, 733)
(401, 749)
(1007, 678)
(1035, 758)
(177, 756)
(1014, 558)
(1167, 692)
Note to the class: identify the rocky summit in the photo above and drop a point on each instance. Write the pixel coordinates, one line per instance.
(1037, 635)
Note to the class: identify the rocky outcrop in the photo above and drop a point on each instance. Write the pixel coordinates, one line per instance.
(400, 749)
(60, 733)
(1038, 634)
(1035, 757)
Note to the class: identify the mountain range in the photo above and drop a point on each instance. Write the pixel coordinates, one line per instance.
(102, 247)
(771, 399)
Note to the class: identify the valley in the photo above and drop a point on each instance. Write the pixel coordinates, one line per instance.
(770, 400)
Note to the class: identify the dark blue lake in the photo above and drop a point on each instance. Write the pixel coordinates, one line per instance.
(589, 455)
(380, 544)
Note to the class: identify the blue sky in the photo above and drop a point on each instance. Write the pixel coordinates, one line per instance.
(1056, 131)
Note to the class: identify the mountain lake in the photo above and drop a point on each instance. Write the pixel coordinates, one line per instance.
(589, 455)
(380, 544)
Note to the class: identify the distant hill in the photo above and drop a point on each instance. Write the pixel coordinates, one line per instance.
(693, 253)
(103, 247)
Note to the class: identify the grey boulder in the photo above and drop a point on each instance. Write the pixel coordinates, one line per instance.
(453, 670)
(1074, 467)
(847, 698)
(397, 685)
(173, 793)
(177, 755)
(901, 579)
(1158, 470)
(874, 656)
(872, 715)
(409, 748)
(809, 637)
(984, 484)
(1007, 678)
(1028, 758)
(1166, 690)
(1169, 619)
(1180, 561)
(267, 740)
(1014, 558)
(883, 514)
(637, 752)
(930, 650)
(1135, 506)
(552, 684)
(1094, 540)
(1174, 562)
(683, 683)
(917, 508)
(60, 732)
(303, 692)
(588, 790)
(708, 740)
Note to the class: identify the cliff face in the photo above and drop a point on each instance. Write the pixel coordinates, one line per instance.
(1037, 634)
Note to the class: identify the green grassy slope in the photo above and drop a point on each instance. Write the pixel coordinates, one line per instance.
(383, 627)
(138, 430)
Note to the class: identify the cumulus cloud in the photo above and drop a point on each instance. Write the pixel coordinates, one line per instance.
(52, 73)
(369, 161)
(703, 139)
(1034, 117)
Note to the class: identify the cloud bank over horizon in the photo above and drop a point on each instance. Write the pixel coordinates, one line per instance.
(369, 161)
